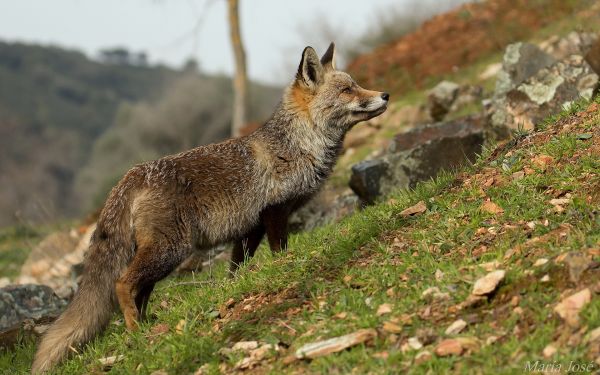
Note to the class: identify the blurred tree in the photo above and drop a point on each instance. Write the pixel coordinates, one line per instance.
(240, 79)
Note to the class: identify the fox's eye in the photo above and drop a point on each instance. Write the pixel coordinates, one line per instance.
(347, 90)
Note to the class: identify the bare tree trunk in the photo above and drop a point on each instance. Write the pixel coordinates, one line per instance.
(240, 80)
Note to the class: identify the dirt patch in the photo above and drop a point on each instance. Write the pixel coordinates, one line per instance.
(453, 40)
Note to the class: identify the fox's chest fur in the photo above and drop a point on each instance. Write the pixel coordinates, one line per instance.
(216, 193)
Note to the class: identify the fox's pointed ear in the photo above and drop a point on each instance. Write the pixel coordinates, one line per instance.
(328, 59)
(310, 71)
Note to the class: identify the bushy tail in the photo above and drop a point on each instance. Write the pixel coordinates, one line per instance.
(91, 308)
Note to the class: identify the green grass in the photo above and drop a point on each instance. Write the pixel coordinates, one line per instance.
(15, 244)
(353, 267)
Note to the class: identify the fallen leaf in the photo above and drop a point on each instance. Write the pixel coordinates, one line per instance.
(334, 345)
(542, 161)
(383, 309)
(180, 327)
(584, 136)
(449, 347)
(413, 210)
(341, 315)
(392, 327)
(568, 309)
(423, 356)
(488, 283)
(491, 207)
(456, 327)
(159, 329)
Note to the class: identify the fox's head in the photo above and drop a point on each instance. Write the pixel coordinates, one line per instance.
(331, 98)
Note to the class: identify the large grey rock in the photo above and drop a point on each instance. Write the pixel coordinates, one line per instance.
(527, 92)
(520, 61)
(325, 208)
(441, 98)
(24, 308)
(418, 155)
(366, 177)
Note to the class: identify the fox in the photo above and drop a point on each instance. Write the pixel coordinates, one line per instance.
(235, 191)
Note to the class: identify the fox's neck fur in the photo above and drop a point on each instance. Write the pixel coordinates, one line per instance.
(303, 147)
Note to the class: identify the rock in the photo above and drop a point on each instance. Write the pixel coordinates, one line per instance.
(520, 61)
(108, 362)
(577, 263)
(4, 281)
(449, 347)
(456, 327)
(418, 155)
(365, 179)
(422, 357)
(575, 43)
(441, 98)
(534, 85)
(488, 283)
(540, 262)
(336, 344)
(326, 207)
(418, 208)
(383, 309)
(57, 260)
(22, 307)
(549, 351)
(392, 327)
(568, 309)
(414, 343)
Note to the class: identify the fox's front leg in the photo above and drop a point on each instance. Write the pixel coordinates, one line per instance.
(275, 220)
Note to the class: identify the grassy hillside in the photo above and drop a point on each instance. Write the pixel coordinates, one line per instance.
(500, 213)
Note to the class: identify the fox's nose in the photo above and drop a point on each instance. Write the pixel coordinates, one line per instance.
(385, 96)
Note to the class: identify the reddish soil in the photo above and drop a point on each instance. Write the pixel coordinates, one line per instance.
(453, 40)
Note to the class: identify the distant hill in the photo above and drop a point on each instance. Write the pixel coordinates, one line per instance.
(56, 104)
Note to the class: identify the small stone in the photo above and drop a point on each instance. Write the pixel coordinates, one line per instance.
(245, 345)
(491, 340)
(568, 309)
(456, 327)
(383, 309)
(518, 175)
(545, 278)
(488, 283)
(414, 343)
(392, 327)
(540, 262)
(439, 275)
(449, 347)
(423, 356)
(549, 351)
(414, 210)
(336, 344)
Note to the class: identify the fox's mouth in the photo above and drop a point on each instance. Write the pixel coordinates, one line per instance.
(372, 112)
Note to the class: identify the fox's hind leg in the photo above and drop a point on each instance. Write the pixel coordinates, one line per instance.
(245, 248)
(142, 298)
(150, 264)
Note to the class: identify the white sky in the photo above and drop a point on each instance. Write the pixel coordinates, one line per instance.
(164, 28)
